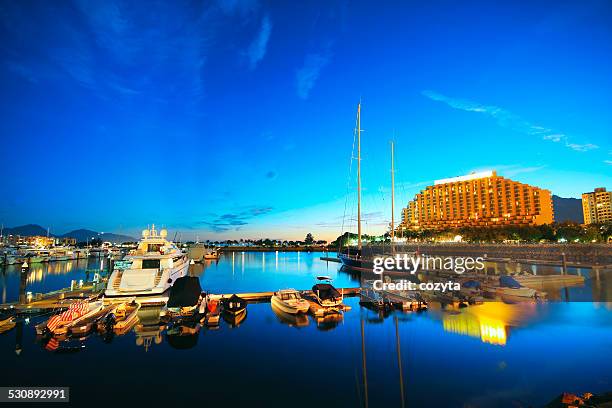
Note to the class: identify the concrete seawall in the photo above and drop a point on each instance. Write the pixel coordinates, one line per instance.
(589, 254)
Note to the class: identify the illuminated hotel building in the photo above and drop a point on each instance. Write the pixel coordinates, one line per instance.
(597, 206)
(477, 200)
(35, 241)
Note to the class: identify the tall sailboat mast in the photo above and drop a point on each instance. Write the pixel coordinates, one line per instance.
(392, 197)
(359, 176)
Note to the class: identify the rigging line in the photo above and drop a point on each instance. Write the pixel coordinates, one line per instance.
(348, 183)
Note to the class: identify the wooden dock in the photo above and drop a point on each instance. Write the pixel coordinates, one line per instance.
(58, 298)
(262, 297)
(63, 297)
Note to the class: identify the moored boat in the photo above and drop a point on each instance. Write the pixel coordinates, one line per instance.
(234, 305)
(84, 326)
(211, 309)
(290, 301)
(149, 270)
(509, 287)
(78, 311)
(119, 319)
(326, 294)
(213, 255)
(7, 319)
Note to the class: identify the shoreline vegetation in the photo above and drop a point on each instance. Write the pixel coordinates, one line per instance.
(546, 233)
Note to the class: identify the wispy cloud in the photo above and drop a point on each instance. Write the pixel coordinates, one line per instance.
(236, 220)
(510, 120)
(308, 74)
(509, 170)
(608, 162)
(259, 45)
(111, 48)
(581, 147)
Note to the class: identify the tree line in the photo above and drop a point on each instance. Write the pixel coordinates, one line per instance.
(557, 232)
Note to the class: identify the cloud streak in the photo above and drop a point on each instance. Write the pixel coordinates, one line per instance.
(235, 221)
(257, 49)
(307, 75)
(112, 49)
(509, 120)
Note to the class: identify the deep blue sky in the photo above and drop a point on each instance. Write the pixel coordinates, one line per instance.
(235, 118)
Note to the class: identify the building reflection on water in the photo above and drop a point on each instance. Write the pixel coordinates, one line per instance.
(491, 322)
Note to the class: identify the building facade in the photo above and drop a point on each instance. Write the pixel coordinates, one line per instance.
(33, 241)
(597, 206)
(478, 200)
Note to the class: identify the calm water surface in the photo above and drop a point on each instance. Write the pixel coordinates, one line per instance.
(483, 356)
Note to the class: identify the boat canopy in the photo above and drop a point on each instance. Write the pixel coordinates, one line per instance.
(326, 291)
(508, 282)
(185, 292)
(235, 302)
(471, 284)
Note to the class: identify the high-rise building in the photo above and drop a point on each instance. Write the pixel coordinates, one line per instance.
(478, 200)
(597, 206)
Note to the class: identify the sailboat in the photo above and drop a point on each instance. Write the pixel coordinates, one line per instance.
(357, 261)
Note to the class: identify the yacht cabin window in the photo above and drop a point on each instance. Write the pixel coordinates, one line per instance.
(150, 264)
(154, 247)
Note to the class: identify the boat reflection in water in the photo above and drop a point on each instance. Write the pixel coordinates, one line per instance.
(490, 322)
(330, 321)
(183, 335)
(150, 326)
(292, 320)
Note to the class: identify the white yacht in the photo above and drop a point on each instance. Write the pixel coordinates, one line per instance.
(150, 269)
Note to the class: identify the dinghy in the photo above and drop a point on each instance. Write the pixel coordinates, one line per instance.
(120, 319)
(212, 312)
(234, 305)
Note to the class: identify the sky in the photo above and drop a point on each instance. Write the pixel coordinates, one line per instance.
(235, 118)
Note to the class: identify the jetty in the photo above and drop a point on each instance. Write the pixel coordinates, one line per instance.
(93, 290)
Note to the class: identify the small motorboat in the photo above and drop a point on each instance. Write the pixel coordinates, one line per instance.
(212, 255)
(234, 305)
(122, 317)
(84, 326)
(508, 286)
(78, 311)
(326, 294)
(211, 311)
(375, 299)
(290, 301)
(7, 319)
(7, 316)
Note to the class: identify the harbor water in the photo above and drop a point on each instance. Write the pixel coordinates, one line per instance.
(488, 355)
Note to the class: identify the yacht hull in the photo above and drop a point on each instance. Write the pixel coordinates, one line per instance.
(355, 264)
(159, 289)
(288, 308)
